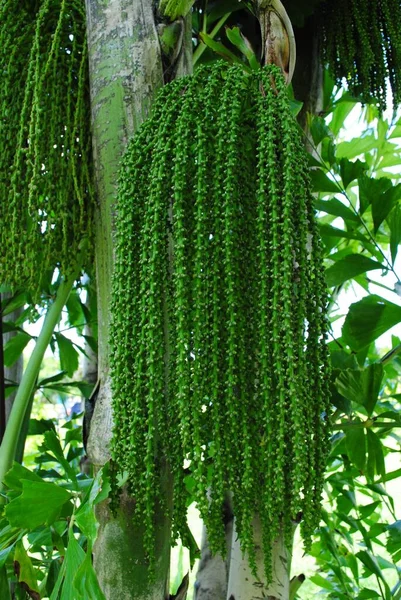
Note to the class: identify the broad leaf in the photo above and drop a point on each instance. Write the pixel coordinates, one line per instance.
(40, 426)
(85, 580)
(14, 477)
(371, 190)
(321, 183)
(14, 348)
(25, 572)
(53, 379)
(52, 443)
(394, 222)
(12, 304)
(356, 446)
(340, 113)
(69, 358)
(382, 206)
(361, 386)
(368, 319)
(223, 7)
(40, 503)
(348, 267)
(319, 130)
(375, 465)
(336, 208)
(356, 147)
(351, 170)
(237, 39)
(73, 559)
(394, 540)
(4, 585)
(330, 231)
(220, 49)
(367, 594)
(370, 563)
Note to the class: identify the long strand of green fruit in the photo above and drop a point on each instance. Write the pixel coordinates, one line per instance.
(361, 42)
(218, 313)
(45, 147)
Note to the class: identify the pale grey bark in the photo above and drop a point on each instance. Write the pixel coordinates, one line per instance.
(125, 73)
(243, 585)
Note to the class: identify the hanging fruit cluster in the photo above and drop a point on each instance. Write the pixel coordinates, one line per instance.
(361, 42)
(45, 147)
(219, 325)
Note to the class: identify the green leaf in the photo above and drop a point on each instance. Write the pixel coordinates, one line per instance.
(368, 319)
(85, 580)
(4, 554)
(40, 426)
(367, 594)
(361, 386)
(394, 540)
(85, 515)
(323, 583)
(370, 563)
(340, 113)
(239, 41)
(52, 575)
(174, 9)
(321, 183)
(14, 303)
(13, 478)
(351, 170)
(319, 130)
(223, 7)
(25, 572)
(375, 464)
(73, 435)
(15, 347)
(220, 49)
(53, 379)
(368, 509)
(382, 206)
(356, 147)
(355, 440)
(69, 358)
(348, 267)
(394, 223)
(74, 557)
(336, 208)
(330, 231)
(40, 503)
(4, 586)
(52, 443)
(74, 309)
(371, 189)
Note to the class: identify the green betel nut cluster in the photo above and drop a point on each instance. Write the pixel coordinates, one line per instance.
(219, 323)
(46, 196)
(361, 42)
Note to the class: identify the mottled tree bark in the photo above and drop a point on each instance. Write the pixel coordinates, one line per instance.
(125, 72)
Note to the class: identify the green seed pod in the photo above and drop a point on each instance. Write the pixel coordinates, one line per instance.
(46, 194)
(218, 313)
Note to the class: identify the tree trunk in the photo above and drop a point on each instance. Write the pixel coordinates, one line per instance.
(243, 585)
(125, 71)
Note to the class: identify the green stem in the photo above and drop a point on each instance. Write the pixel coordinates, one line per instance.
(202, 47)
(362, 425)
(26, 387)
